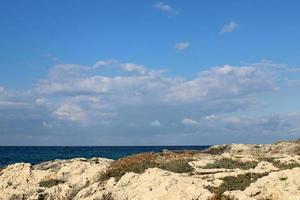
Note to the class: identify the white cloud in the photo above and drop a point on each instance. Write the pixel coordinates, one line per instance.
(140, 83)
(190, 122)
(71, 113)
(279, 124)
(13, 99)
(104, 96)
(164, 7)
(225, 82)
(182, 46)
(104, 64)
(110, 95)
(155, 123)
(74, 79)
(41, 101)
(231, 26)
(131, 67)
(211, 117)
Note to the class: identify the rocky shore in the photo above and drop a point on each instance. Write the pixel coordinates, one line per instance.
(235, 171)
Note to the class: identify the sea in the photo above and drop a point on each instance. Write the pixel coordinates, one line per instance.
(38, 154)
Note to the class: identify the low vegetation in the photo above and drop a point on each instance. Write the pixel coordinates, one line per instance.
(280, 165)
(230, 183)
(107, 196)
(283, 178)
(297, 149)
(177, 166)
(50, 183)
(297, 141)
(137, 164)
(174, 162)
(231, 164)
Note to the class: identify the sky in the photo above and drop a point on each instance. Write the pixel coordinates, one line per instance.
(134, 72)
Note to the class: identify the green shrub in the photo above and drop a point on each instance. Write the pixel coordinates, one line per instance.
(230, 164)
(280, 165)
(239, 182)
(230, 183)
(177, 166)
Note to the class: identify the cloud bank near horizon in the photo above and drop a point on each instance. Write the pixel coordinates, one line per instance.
(112, 102)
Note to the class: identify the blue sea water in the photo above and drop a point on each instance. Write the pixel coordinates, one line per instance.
(36, 154)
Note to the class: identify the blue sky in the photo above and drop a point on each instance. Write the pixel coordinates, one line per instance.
(149, 72)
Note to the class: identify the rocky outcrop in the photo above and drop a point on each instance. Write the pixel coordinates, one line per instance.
(236, 171)
(51, 180)
(277, 185)
(153, 184)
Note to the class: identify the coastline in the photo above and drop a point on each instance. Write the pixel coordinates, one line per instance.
(235, 171)
(39, 154)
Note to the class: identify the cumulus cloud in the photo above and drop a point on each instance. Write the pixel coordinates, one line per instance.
(233, 86)
(131, 67)
(70, 112)
(190, 122)
(182, 46)
(41, 101)
(211, 117)
(124, 98)
(227, 82)
(231, 26)
(164, 7)
(104, 64)
(69, 79)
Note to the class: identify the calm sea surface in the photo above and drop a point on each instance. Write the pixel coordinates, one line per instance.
(10, 154)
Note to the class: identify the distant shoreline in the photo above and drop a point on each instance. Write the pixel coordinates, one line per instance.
(38, 154)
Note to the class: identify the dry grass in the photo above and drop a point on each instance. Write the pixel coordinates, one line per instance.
(297, 141)
(107, 196)
(231, 164)
(137, 164)
(50, 183)
(174, 162)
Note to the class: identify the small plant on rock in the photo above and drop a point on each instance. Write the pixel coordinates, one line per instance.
(50, 183)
